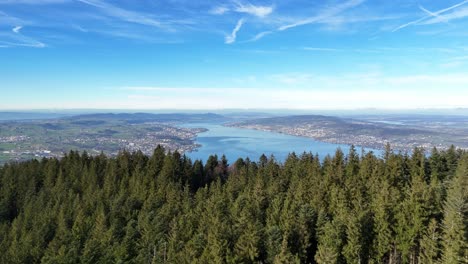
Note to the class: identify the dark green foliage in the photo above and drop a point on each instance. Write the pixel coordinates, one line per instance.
(167, 209)
(455, 236)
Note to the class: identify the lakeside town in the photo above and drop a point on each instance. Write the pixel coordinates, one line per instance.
(110, 134)
(360, 133)
(22, 141)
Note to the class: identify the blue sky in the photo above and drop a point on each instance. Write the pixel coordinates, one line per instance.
(185, 54)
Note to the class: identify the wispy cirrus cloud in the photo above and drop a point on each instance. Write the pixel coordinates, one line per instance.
(260, 35)
(15, 38)
(23, 42)
(231, 38)
(126, 15)
(219, 10)
(435, 17)
(260, 11)
(17, 29)
(6, 19)
(457, 14)
(266, 17)
(325, 14)
(141, 36)
(255, 10)
(432, 14)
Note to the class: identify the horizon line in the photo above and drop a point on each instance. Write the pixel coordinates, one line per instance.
(237, 109)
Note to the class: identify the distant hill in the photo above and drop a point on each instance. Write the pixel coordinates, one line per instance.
(336, 124)
(9, 116)
(373, 134)
(136, 118)
(296, 119)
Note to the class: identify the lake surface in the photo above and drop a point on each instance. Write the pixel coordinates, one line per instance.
(238, 142)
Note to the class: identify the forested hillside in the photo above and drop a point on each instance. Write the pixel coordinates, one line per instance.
(349, 208)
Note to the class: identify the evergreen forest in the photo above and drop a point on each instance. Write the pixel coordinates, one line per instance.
(350, 207)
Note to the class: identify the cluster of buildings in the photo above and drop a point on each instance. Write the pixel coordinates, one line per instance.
(171, 138)
(13, 139)
(325, 134)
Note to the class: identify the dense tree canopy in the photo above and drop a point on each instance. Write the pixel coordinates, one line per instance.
(346, 208)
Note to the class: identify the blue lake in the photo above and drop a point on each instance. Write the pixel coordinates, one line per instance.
(238, 142)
